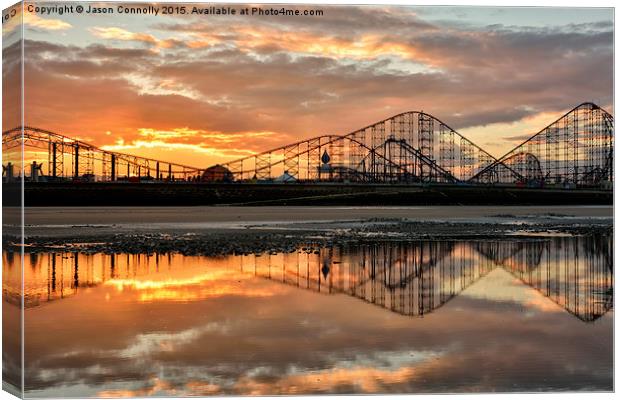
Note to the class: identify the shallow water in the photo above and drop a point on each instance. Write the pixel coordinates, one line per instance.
(380, 317)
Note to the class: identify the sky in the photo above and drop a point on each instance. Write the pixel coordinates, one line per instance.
(202, 89)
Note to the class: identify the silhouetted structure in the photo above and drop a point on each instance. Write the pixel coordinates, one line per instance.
(412, 147)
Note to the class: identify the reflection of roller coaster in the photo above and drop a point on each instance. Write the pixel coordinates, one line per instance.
(586, 292)
(417, 278)
(409, 278)
(412, 147)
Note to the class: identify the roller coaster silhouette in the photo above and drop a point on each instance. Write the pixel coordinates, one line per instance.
(413, 147)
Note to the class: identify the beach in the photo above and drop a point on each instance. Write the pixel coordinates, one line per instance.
(239, 230)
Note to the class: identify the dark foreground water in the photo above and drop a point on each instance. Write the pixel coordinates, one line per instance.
(383, 317)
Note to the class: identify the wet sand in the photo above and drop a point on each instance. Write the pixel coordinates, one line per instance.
(103, 215)
(226, 230)
(45, 216)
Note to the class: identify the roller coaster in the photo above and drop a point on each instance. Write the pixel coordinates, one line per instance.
(409, 148)
(577, 148)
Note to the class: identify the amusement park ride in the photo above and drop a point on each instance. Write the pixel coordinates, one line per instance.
(409, 148)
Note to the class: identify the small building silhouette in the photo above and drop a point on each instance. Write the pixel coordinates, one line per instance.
(285, 177)
(217, 173)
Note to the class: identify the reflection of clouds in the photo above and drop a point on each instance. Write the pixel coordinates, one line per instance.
(356, 379)
(387, 359)
(500, 286)
(198, 388)
(148, 343)
(214, 284)
(542, 303)
(201, 325)
(254, 345)
(157, 386)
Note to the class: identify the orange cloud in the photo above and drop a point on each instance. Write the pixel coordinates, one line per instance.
(215, 136)
(115, 33)
(43, 23)
(159, 149)
(366, 47)
(296, 78)
(32, 19)
(196, 147)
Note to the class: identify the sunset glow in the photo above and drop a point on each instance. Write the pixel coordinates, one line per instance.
(206, 91)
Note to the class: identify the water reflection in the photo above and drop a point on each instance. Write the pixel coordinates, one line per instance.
(408, 278)
(346, 319)
(417, 278)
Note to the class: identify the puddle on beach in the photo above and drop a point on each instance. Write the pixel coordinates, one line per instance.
(384, 317)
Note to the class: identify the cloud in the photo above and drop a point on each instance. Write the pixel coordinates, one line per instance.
(310, 76)
(32, 21)
(49, 24)
(170, 151)
(115, 33)
(518, 138)
(499, 339)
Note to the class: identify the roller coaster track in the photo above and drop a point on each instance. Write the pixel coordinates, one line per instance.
(69, 157)
(575, 149)
(402, 148)
(411, 147)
